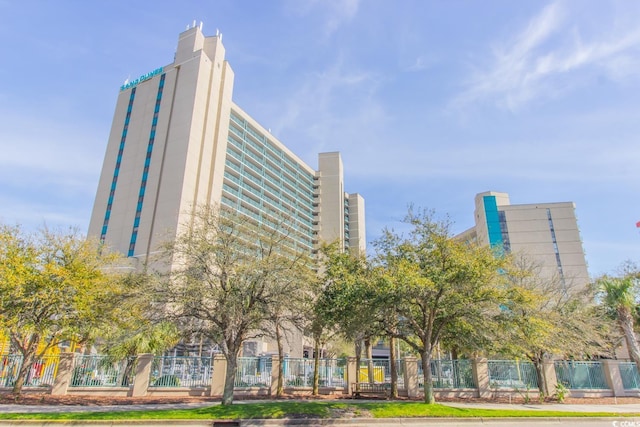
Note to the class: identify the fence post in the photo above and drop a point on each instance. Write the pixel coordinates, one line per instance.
(219, 374)
(411, 376)
(480, 368)
(613, 377)
(550, 378)
(352, 374)
(275, 372)
(143, 375)
(64, 375)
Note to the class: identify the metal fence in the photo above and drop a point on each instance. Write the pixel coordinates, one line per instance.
(171, 371)
(400, 369)
(512, 374)
(630, 375)
(253, 372)
(580, 375)
(102, 371)
(181, 371)
(299, 372)
(42, 373)
(452, 374)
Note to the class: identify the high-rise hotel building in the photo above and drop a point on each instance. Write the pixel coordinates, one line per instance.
(546, 234)
(179, 141)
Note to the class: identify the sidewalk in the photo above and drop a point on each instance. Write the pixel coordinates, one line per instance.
(620, 408)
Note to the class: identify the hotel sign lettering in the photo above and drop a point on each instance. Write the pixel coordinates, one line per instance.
(132, 83)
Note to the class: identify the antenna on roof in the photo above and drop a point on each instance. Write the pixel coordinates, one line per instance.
(200, 25)
(194, 23)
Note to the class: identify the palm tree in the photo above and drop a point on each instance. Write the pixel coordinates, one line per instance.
(619, 296)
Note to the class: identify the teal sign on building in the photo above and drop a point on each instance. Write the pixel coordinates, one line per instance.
(142, 78)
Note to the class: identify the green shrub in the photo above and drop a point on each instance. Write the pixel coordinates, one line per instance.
(561, 392)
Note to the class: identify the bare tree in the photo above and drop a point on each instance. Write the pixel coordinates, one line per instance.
(285, 317)
(545, 316)
(227, 273)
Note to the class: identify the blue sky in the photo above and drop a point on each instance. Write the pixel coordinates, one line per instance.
(429, 102)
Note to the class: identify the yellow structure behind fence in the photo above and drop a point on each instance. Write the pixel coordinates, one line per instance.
(378, 374)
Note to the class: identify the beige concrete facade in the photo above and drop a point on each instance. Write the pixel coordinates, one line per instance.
(178, 141)
(546, 234)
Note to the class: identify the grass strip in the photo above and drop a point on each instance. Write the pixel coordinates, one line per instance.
(270, 410)
(418, 409)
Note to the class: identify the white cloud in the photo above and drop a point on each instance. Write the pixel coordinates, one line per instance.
(334, 13)
(61, 153)
(545, 59)
(421, 63)
(48, 170)
(528, 160)
(340, 11)
(35, 214)
(317, 105)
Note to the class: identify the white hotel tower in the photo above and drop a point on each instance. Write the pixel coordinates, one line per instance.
(178, 141)
(546, 234)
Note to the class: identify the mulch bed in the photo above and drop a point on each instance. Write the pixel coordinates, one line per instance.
(47, 399)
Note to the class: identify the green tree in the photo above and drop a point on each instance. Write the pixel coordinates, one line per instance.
(226, 273)
(317, 324)
(388, 278)
(620, 296)
(135, 325)
(438, 281)
(54, 286)
(546, 316)
(349, 298)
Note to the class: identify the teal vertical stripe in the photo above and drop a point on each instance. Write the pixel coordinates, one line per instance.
(493, 221)
(145, 171)
(116, 171)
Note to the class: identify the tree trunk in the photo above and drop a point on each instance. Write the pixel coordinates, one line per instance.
(28, 353)
(542, 383)
(393, 367)
(427, 377)
(370, 367)
(23, 372)
(626, 323)
(280, 387)
(230, 378)
(130, 363)
(358, 349)
(316, 366)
